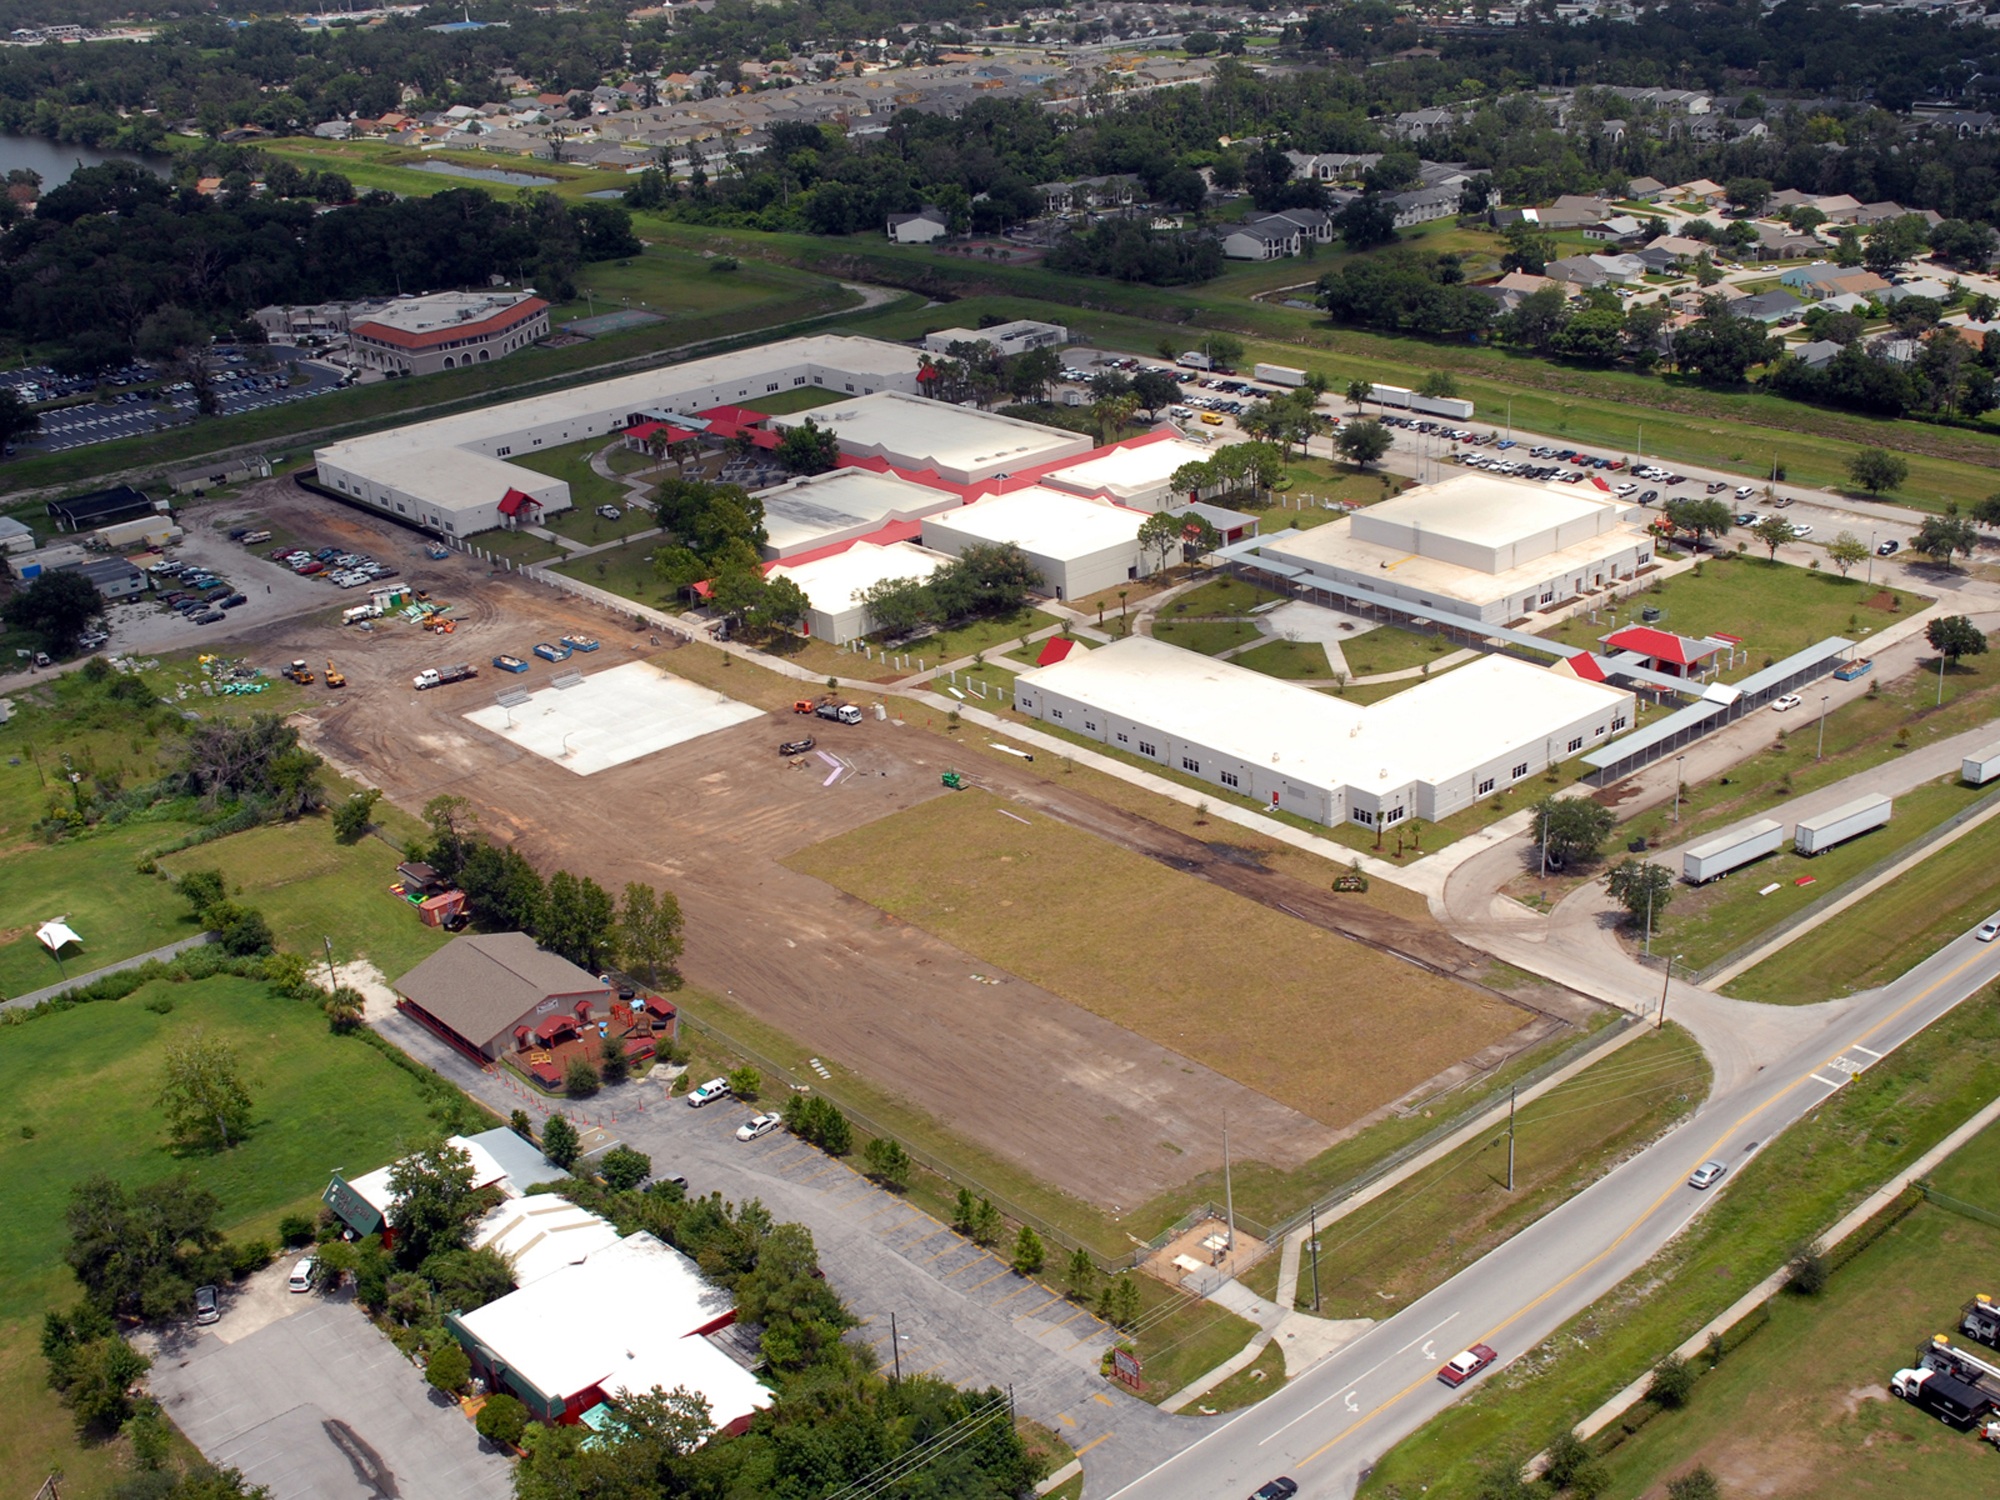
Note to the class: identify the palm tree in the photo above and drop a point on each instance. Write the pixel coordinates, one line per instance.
(1357, 393)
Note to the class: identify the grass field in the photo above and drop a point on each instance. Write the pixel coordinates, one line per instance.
(1794, 1189)
(1329, 1027)
(1773, 607)
(1180, 1337)
(1219, 597)
(1263, 1376)
(518, 547)
(91, 882)
(1390, 648)
(588, 489)
(1291, 660)
(1707, 922)
(1209, 637)
(79, 1090)
(1378, 1260)
(1880, 938)
(1834, 1433)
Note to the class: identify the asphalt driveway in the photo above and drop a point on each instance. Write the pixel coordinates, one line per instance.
(307, 1398)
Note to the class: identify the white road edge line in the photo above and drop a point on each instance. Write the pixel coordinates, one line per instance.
(1355, 1383)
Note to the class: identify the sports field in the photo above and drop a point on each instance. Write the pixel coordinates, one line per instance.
(1328, 1026)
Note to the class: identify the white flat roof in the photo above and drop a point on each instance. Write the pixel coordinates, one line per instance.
(444, 310)
(1128, 471)
(1335, 546)
(373, 1187)
(542, 1234)
(831, 583)
(1425, 734)
(915, 432)
(1490, 510)
(802, 514)
(1051, 523)
(647, 1301)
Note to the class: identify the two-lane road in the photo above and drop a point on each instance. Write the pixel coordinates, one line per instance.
(1328, 1426)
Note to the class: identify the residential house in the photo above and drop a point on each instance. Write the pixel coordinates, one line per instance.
(1645, 189)
(1312, 224)
(1266, 238)
(1421, 124)
(1770, 307)
(1422, 205)
(921, 228)
(1612, 230)
(1578, 271)
(1823, 279)
(1708, 194)
(1817, 354)
(1511, 290)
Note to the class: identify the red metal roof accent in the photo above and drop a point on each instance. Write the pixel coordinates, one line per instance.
(1587, 667)
(1661, 645)
(514, 502)
(500, 322)
(1054, 649)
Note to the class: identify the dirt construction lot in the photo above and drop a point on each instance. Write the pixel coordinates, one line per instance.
(1079, 1101)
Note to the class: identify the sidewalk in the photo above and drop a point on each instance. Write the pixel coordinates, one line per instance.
(50, 992)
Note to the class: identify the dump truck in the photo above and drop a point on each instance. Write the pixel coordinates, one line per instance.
(1849, 820)
(1280, 374)
(1739, 846)
(551, 653)
(432, 677)
(1981, 766)
(358, 613)
(841, 713)
(335, 678)
(299, 672)
(1951, 1401)
(1980, 1319)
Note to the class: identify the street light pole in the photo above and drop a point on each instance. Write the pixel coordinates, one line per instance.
(1667, 985)
(1679, 781)
(1820, 752)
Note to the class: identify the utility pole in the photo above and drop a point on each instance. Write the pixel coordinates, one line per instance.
(1228, 1188)
(332, 983)
(1512, 1093)
(1663, 992)
(1679, 781)
(1649, 918)
(1313, 1240)
(1545, 841)
(1820, 753)
(896, 1348)
(1940, 679)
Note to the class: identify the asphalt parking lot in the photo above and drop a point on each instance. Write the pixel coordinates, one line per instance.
(132, 414)
(316, 1404)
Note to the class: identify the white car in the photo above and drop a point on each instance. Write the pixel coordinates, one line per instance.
(1800, 533)
(301, 1279)
(715, 1088)
(1989, 929)
(1627, 488)
(1787, 703)
(1745, 491)
(1707, 1175)
(758, 1125)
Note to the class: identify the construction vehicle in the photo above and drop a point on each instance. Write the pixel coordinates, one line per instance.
(1951, 1401)
(335, 678)
(954, 780)
(1963, 1366)
(299, 672)
(551, 653)
(1980, 1319)
(436, 553)
(441, 624)
(432, 677)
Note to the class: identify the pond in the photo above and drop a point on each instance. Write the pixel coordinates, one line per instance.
(56, 160)
(486, 174)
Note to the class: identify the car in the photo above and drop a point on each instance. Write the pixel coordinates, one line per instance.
(796, 747)
(1716, 486)
(715, 1088)
(1280, 1488)
(1787, 703)
(610, 512)
(1889, 548)
(1464, 1366)
(1745, 491)
(301, 1279)
(1989, 929)
(758, 1125)
(1648, 497)
(1748, 517)
(1707, 1175)
(207, 1305)
(1626, 488)
(236, 601)
(1800, 531)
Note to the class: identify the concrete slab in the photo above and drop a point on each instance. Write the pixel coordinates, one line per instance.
(612, 717)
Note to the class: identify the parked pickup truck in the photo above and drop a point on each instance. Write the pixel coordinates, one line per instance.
(844, 713)
(432, 677)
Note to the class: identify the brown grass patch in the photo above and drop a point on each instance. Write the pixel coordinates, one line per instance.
(1310, 1019)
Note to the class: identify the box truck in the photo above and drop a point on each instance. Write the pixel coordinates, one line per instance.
(1981, 766)
(1850, 819)
(1737, 847)
(1194, 359)
(1280, 374)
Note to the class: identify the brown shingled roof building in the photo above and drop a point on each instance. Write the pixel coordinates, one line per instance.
(479, 992)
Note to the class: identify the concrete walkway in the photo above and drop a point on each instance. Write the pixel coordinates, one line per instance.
(49, 992)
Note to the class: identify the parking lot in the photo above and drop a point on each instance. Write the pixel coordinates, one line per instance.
(133, 412)
(303, 1395)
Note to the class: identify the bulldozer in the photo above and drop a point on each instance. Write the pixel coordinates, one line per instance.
(335, 678)
(299, 672)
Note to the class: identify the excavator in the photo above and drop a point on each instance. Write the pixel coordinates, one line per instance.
(334, 677)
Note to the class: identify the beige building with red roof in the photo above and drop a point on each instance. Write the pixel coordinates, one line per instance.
(423, 335)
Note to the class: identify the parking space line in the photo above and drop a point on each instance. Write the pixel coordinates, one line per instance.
(1080, 1312)
(978, 1260)
(1029, 1314)
(1024, 1287)
(1102, 1399)
(940, 1255)
(885, 1208)
(1004, 1270)
(826, 1172)
(1102, 1437)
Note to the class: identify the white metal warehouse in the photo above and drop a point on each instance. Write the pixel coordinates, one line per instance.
(1427, 752)
(833, 584)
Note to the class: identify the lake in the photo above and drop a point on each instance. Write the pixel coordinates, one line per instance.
(487, 174)
(56, 160)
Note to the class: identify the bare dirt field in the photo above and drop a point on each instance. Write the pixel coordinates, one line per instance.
(1077, 1100)
(1312, 1019)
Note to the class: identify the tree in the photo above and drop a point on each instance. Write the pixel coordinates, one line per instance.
(1366, 223)
(887, 1162)
(18, 420)
(202, 890)
(560, 1143)
(1748, 195)
(202, 1092)
(1893, 241)
(1224, 348)
(577, 920)
(56, 609)
(985, 1222)
(1773, 532)
(746, 1083)
(1530, 248)
(240, 931)
(1809, 1272)
(1080, 1274)
(1571, 828)
(1440, 384)
(452, 821)
(1877, 469)
(450, 1367)
(1364, 442)
(1643, 888)
(1159, 533)
(1672, 1382)
(1846, 550)
(1029, 1253)
(92, 1368)
(648, 935)
(1940, 537)
(613, 1066)
(502, 1420)
(1699, 517)
(1153, 387)
(808, 448)
(623, 1169)
(1697, 1484)
(138, 1251)
(1719, 348)
(433, 1201)
(1358, 393)
(355, 815)
(503, 888)
(344, 1008)
(580, 1079)
(1118, 1304)
(1954, 636)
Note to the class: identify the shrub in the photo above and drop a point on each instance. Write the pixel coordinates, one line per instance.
(613, 1066)
(1809, 1271)
(623, 1169)
(449, 1369)
(502, 1420)
(580, 1079)
(521, 1125)
(559, 1142)
(746, 1083)
(887, 1162)
(1696, 1484)
(250, 1257)
(1672, 1382)
(1028, 1252)
(1567, 1454)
